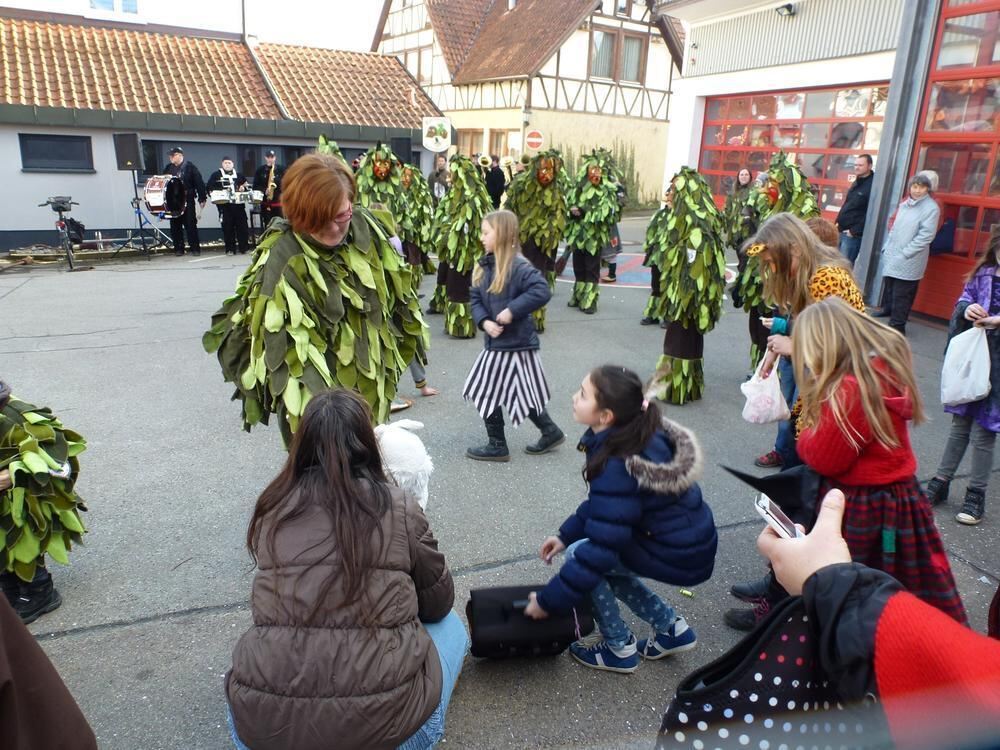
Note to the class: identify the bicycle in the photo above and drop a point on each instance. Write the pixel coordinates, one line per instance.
(62, 204)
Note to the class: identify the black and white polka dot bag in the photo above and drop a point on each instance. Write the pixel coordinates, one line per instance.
(770, 693)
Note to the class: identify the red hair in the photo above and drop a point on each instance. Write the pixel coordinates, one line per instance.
(312, 191)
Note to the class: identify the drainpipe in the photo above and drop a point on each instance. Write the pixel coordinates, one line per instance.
(906, 93)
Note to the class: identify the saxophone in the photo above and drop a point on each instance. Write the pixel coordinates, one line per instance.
(271, 185)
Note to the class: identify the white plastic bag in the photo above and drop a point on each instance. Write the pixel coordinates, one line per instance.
(965, 376)
(764, 400)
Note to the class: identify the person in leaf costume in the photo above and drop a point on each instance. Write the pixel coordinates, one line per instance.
(39, 507)
(685, 244)
(416, 221)
(537, 196)
(456, 239)
(327, 301)
(594, 210)
(782, 188)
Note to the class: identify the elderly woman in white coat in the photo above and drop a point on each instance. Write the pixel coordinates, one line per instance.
(906, 249)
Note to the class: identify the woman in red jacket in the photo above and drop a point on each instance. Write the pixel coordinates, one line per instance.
(858, 391)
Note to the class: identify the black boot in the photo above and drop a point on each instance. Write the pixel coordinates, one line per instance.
(38, 597)
(937, 491)
(496, 448)
(10, 584)
(752, 590)
(551, 434)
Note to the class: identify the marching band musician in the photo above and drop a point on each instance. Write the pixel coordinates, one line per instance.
(194, 187)
(267, 179)
(233, 215)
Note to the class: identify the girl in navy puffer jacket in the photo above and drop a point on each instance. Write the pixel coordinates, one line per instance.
(644, 517)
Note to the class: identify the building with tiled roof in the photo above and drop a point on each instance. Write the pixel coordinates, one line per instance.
(582, 73)
(68, 83)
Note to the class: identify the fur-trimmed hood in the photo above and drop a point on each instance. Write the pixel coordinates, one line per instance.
(677, 475)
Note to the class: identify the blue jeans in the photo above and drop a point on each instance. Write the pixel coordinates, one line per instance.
(452, 643)
(622, 583)
(850, 247)
(784, 443)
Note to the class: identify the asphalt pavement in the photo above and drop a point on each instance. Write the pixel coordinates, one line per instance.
(158, 596)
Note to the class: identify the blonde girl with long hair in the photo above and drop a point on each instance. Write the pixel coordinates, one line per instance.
(508, 374)
(858, 393)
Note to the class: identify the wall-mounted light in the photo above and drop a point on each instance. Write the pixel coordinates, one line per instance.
(788, 9)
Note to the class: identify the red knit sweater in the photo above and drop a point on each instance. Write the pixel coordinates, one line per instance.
(827, 450)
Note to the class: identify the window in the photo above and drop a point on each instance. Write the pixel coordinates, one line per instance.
(426, 65)
(500, 142)
(623, 7)
(56, 153)
(116, 6)
(632, 49)
(470, 142)
(602, 55)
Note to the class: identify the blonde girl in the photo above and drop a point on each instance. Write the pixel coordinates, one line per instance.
(858, 392)
(508, 374)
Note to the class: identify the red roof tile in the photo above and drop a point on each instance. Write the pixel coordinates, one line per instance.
(356, 88)
(456, 25)
(84, 67)
(517, 42)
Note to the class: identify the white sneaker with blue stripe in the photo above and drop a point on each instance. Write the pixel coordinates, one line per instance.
(593, 651)
(678, 638)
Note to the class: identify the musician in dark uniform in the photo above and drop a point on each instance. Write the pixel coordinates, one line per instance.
(194, 187)
(267, 180)
(232, 214)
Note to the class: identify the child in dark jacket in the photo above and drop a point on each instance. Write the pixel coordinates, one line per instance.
(507, 374)
(644, 517)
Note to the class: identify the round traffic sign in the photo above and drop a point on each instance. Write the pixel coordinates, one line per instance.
(533, 139)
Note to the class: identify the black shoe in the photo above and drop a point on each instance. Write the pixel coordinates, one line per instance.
(973, 508)
(937, 491)
(10, 584)
(589, 310)
(37, 599)
(648, 321)
(433, 310)
(178, 253)
(572, 303)
(196, 252)
(753, 590)
(494, 450)
(747, 619)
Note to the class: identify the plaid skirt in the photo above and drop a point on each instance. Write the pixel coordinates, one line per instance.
(512, 380)
(891, 527)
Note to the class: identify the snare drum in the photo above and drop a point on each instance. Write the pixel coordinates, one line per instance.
(257, 195)
(219, 197)
(165, 195)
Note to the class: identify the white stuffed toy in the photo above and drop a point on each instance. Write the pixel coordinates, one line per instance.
(405, 457)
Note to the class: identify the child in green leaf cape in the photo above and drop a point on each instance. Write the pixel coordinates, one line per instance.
(684, 243)
(326, 301)
(39, 507)
(594, 210)
(456, 239)
(537, 196)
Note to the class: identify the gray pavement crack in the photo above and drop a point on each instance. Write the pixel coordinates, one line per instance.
(11, 291)
(102, 346)
(64, 335)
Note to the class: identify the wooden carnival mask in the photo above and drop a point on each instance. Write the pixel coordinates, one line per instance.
(407, 178)
(381, 168)
(546, 171)
(594, 174)
(772, 191)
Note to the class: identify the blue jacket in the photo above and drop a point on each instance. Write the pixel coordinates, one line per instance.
(526, 291)
(644, 512)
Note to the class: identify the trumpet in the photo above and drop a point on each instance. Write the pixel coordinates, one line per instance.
(485, 161)
(507, 165)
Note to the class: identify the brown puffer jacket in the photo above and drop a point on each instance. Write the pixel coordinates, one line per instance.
(332, 681)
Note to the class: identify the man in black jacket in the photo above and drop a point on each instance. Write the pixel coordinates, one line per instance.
(233, 215)
(851, 219)
(267, 179)
(496, 183)
(194, 186)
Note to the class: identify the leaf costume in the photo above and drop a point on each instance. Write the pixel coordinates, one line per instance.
(595, 193)
(783, 188)
(684, 241)
(537, 196)
(306, 317)
(40, 513)
(456, 238)
(330, 148)
(417, 218)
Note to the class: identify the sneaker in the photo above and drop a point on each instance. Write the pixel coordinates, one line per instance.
(678, 638)
(752, 591)
(747, 619)
(937, 491)
(770, 460)
(609, 279)
(36, 601)
(594, 652)
(973, 508)
(648, 321)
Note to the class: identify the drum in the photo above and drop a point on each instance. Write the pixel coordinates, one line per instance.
(258, 196)
(218, 197)
(165, 195)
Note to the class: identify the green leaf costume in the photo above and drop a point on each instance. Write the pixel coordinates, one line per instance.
(456, 238)
(684, 241)
(305, 318)
(783, 188)
(40, 513)
(330, 148)
(415, 223)
(538, 197)
(595, 193)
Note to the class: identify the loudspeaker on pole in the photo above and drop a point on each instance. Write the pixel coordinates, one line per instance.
(128, 152)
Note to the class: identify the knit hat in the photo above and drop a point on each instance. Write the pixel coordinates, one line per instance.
(926, 177)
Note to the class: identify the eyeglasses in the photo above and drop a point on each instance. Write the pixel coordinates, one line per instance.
(344, 216)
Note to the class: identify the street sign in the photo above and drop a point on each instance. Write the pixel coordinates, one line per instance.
(533, 139)
(437, 134)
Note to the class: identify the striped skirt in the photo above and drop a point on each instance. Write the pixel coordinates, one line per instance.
(891, 527)
(512, 380)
